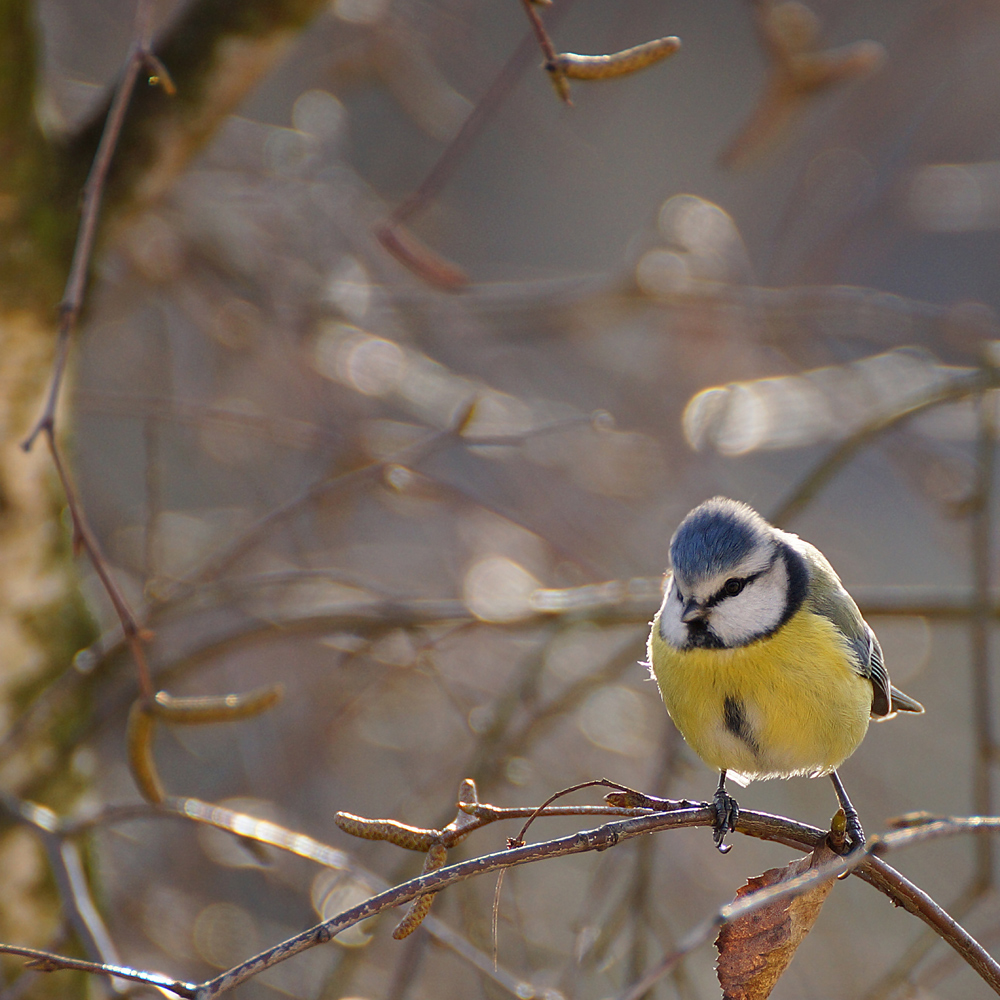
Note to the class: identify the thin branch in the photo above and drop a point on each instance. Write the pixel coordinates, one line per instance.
(980, 543)
(83, 537)
(68, 873)
(264, 832)
(913, 899)
(556, 74)
(598, 839)
(866, 864)
(900, 972)
(93, 194)
(872, 869)
(960, 387)
(465, 138)
(393, 234)
(46, 961)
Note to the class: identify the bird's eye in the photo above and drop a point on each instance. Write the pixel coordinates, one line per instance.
(680, 596)
(733, 586)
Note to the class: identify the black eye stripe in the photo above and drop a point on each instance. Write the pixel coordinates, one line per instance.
(722, 593)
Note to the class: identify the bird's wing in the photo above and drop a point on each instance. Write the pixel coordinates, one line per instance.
(868, 649)
(830, 599)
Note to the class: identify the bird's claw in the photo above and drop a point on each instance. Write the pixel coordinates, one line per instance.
(727, 814)
(855, 834)
(855, 837)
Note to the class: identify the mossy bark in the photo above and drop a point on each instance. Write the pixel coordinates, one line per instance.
(215, 54)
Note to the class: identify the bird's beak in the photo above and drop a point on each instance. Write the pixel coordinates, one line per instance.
(693, 612)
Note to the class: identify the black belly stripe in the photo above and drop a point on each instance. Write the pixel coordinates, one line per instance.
(736, 722)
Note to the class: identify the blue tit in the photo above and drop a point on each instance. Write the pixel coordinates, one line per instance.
(762, 658)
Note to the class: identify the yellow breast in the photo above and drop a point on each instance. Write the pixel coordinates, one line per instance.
(791, 703)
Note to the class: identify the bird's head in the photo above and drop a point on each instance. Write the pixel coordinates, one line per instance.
(731, 578)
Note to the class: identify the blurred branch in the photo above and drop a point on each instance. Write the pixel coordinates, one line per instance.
(443, 170)
(961, 387)
(979, 611)
(26, 163)
(613, 604)
(44, 961)
(980, 557)
(556, 74)
(68, 873)
(195, 711)
(799, 70)
(93, 194)
(617, 602)
(492, 754)
(393, 234)
(434, 442)
(216, 52)
(278, 430)
(867, 864)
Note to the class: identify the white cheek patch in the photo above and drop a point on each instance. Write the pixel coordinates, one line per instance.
(755, 611)
(672, 630)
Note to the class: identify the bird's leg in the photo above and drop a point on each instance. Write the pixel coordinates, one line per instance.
(854, 832)
(727, 812)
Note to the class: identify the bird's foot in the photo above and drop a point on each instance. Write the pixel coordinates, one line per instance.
(855, 834)
(727, 814)
(851, 823)
(846, 835)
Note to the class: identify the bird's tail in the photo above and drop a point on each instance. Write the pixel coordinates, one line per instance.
(904, 703)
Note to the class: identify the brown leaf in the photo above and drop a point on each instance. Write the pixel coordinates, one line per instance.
(755, 949)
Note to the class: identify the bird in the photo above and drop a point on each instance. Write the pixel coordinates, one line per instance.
(762, 658)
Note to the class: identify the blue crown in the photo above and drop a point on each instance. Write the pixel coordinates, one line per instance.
(714, 537)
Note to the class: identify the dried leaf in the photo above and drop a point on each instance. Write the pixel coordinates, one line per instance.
(754, 950)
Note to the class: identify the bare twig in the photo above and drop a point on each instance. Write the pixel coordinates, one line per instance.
(866, 864)
(93, 193)
(871, 869)
(264, 832)
(789, 36)
(960, 387)
(518, 839)
(84, 538)
(393, 234)
(556, 74)
(45, 961)
(68, 873)
(980, 544)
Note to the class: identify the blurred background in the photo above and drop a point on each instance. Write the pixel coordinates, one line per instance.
(440, 518)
